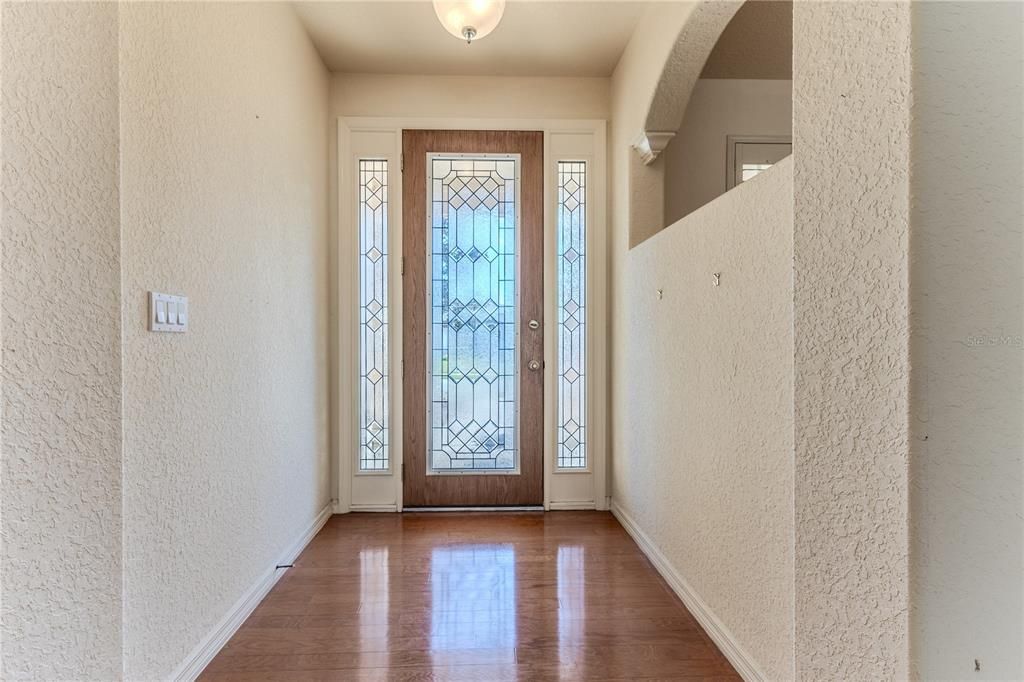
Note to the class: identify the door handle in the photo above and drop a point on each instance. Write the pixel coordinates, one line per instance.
(534, 324)
(533, 365)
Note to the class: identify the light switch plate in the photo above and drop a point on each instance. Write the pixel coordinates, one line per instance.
(168, 313)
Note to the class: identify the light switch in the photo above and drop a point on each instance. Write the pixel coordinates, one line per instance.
(168, 313)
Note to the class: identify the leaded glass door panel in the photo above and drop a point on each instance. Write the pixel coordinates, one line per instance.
(472, 267)
(473, 328)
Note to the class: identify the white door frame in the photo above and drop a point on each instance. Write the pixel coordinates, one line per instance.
(564, 140)
(730, 151)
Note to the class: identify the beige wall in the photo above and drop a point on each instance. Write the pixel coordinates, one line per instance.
(226, 121)
(851, 125)
(695, 160)
(469, 96)
(702, 439)
(967, 303)
(850, 362)
(706, 468)
(224, 199)
(60, 481)
(452, 97)
(632, 87)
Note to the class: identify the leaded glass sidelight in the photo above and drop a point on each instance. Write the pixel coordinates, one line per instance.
(572, 301)
(472, 311)
(374, 449)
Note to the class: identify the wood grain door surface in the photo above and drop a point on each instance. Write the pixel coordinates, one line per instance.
(421, 487)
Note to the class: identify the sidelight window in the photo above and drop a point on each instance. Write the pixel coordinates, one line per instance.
(374, 449)
(572, 301)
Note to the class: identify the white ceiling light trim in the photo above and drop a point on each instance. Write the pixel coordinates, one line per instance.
(469, 19)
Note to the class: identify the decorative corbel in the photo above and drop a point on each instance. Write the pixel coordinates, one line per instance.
(650, 144)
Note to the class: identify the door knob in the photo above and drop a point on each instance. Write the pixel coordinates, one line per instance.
(534, 324)
(533, 365)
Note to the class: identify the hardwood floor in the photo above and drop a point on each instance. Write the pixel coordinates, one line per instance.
(463, 596)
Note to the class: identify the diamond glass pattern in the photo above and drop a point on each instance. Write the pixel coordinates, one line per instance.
(472, 310)
(572, 298)
(374, 447)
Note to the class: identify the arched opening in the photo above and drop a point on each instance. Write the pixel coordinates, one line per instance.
(735, 58)
(738, 120)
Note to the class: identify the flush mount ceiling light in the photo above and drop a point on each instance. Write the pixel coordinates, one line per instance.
(469, 19)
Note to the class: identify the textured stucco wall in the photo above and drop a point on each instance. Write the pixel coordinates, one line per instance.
(967, 343)
(851, 115)
(701, 391)
(224, 199)
(632, 87)
(695, 160)
(651, 56)
(678, 70)
(60, 564)
(708, 408)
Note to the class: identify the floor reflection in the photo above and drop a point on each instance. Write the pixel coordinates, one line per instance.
(374, 601)
(500, 597)
(572, 607)
(473, 597)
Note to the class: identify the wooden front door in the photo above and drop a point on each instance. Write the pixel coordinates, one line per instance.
(472, 222)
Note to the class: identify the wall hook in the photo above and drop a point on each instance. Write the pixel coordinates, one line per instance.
(717, 278)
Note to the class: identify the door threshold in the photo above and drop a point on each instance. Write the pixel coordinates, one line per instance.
(525, 508)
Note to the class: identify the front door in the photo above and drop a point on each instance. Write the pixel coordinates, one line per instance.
(473, 215)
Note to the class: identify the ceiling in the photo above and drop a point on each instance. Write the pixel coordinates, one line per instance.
(577, 38)
(757, 43)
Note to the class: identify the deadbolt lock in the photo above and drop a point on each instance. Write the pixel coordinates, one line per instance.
(533, 365)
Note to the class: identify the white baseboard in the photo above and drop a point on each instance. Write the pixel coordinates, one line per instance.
(716, 630)
(211, 645)
(571, 505)
(373, 507)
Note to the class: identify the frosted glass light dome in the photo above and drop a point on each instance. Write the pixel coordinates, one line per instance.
(469, 19)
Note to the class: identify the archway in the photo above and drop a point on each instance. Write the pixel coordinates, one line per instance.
(739, 119)
(665, 112)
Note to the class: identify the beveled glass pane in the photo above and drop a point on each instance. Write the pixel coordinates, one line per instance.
(572, 302)
(374, 450)
(472, 310)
